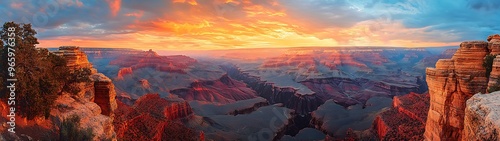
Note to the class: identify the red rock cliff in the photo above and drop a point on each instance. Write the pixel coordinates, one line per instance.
(405, 120)
(76, 59)
(451, 83)
(154, 118)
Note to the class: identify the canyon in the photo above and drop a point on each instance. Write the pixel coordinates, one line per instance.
(296, 80)
(148, 96)
(451, 84)
(405, 120)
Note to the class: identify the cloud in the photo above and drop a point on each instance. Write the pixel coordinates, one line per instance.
(114, 6)
(220, 24)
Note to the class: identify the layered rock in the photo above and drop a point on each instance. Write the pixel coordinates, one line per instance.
(223, 90)
(451, 83)
(494, 79)
(123, 72)
(405, 120)
(150, 59)
(482, 117)
(154, 118)
(75, 58)
(89, 113)
(104, 94)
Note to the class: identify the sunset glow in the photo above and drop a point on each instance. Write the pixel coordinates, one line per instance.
(230, 24)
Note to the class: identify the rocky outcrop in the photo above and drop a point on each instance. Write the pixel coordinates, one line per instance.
(101, 91)
(150, 59)
(163, 108)
(302, 103)
(123, 72)
(75, 58)
(494, 80)
(224, 90)
(94, 104)
(104, 94)
(451, 83)
(154, 118)
(89, 113)
(405, 120)
(482, 117)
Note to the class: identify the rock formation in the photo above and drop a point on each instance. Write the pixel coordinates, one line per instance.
(494, 80)
(104, 94)
(153, 118)
(94, 104)
(451, 83)
(223, 90)
(89, 113)
(150, 59)
(75, 58)
(123, 72)
(405, 120)
(482, 117)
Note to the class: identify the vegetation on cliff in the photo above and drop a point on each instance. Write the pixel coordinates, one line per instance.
(40, 75)
(70, 130)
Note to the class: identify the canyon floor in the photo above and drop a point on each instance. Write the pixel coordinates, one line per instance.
(270, 94)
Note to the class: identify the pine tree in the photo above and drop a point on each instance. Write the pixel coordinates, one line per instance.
(41, 75)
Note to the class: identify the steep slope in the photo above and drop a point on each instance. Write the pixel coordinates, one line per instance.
(93, 104)
(153, 118)
(451, 83)
(223, 90)
(405, 120)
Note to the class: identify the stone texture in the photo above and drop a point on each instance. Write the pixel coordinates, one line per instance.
(482, 117)
(451, 83)
(76, 59)
(223, 90)
(154, 118)
(123, 72)
(405, 120)
(495, 73)
(105, 95)
(89, 113)
(170, 110)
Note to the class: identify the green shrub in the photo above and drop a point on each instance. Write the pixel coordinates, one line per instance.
(70, 130)
(41, 75)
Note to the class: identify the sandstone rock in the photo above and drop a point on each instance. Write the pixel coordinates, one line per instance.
(495, 73)
(451, 83)
(104, 93)
(89, 113)
(154, 118)
(482, 117)
(150, 59)
(75, 58)
(162, 108)
(405, 120)
(493, 38)
(124, 71)
(223, 90)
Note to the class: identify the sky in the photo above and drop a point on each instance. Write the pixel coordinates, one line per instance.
(233, 24)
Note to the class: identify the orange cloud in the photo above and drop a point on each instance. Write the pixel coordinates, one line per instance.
(114, 6)
(228, 24)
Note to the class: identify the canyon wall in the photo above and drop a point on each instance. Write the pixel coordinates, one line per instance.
(94, 104)
(153, 118)
(405, 120)
(75, 58)
(451, 83)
